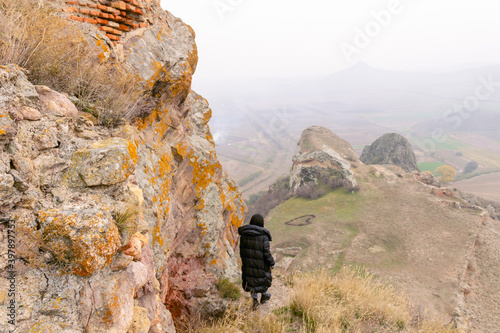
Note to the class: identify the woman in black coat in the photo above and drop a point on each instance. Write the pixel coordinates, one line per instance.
(256, 258)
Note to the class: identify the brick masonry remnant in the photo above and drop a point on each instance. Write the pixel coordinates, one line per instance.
(113, 17)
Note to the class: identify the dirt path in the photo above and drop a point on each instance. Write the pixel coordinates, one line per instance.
(280, 296)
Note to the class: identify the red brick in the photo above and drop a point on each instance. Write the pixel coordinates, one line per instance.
(122, 13)
(94, 12)
(69, 10)
(83, 4)
(72, 2)
(135, 3)
(76, 18)
(108, 9)
(84, 11)
(115, 43)
(111, 17)
(103, 15)
(90, 20)
(120, 19)
(101, 21)
(119, 5)
(92, 5)
(131, 8)
(135, 26)
(113, 37)
(112, 31)
(143, 25)
(124, 27)
(138, 11)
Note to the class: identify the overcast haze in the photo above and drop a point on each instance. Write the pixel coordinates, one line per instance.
(262, 38)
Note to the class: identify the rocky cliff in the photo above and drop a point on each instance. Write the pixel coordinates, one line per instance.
(391, 148)
(323, 159)
(117, 229)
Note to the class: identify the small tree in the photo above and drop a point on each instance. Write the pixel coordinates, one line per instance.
(446, 173)
(471, 166)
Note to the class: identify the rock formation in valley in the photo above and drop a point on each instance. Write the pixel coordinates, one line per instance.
(391, 148)
(323, 157)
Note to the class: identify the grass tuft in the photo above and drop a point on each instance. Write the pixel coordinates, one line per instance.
(125, 221)
(227, 289)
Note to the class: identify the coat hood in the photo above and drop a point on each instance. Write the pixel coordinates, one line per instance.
(254, 230)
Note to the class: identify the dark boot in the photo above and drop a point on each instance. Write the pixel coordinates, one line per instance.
(265, 297)
(255, 304)
(255, 298)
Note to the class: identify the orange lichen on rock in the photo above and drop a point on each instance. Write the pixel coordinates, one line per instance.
(83, 240)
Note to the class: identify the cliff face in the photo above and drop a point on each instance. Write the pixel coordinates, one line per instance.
(118, 229)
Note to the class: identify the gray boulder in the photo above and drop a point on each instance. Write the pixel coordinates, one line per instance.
(390, 148)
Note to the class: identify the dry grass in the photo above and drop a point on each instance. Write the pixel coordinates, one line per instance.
(347, 301)
(354, 301)
(57, 54)
(236, 320)
(326, 302)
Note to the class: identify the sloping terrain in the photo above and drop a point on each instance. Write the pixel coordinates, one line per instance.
(424, 240)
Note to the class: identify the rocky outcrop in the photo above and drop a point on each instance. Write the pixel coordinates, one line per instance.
(391, 148)
(323, 158)
(118, 230)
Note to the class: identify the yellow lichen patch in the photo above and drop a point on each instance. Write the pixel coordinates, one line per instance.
(157, 237)
(160, 33)
(193, 55)
(213, 262)
(105, 49)
(132, 149)
(203, 227)
(112, 305)
(183, 84)
(159, 71)
(182, 149)
(203, 172)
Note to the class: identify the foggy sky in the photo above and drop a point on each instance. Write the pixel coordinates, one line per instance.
(248, 39)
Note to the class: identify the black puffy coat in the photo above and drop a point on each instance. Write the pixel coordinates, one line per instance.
(256, 258)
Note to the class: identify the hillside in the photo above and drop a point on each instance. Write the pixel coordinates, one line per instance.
(428, 241)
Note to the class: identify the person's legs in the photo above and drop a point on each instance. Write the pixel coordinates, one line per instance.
(265, 297)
